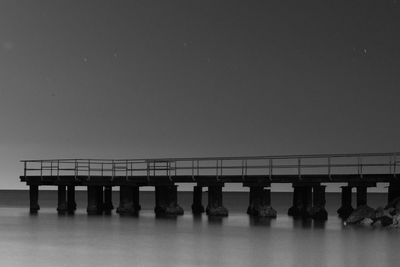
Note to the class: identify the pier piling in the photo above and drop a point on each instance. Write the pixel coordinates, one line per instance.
(215, 206)
(346, 207)
(128, 200)
(260, 202)
(93, 204)
(71, 204)
(33, 199)
(197, 206)
(108, 205)
(318, 211)
(361, 195)
(62, 207)
(167, 201)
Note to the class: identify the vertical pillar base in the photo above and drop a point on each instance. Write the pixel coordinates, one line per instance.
(361, 196)
(260, 203)
(302, 197)
(166, 201)
(129, 201)
(62, 206)
(33, 199)
(394, 195)
(318, 211)
(108, 206)
(197, 207)
(346, 208)
(215, 206)
(95, 200)
(71, 204)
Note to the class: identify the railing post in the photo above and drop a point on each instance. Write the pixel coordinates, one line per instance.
(112, 169)
(242, 169)
(58, 169)
(126, 166)
(25, 166)
(360, 171)
(299, 167)
(217, 173)
(89, 169)
(76, 169)
(394, 166)
(329, 168)
(270, 169)
(193, 170)
(41, 169)
(148, 170)
(51, 168)
(221, 167)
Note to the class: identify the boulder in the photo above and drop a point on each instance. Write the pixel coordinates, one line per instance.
(267, 211)
(366, 221)
(394, 204)
(361, 213)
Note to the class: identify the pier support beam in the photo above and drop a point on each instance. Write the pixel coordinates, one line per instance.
(108, 205)
(128, 201)
(318, 211)
(215, 206)
(167, 201)
(71, 204)
(62, 207)
(197, 206)
(393, 191)
(33, 199)
(346, 209)
(95, 200)
(260, 202)
(302, 201)
(361, 196)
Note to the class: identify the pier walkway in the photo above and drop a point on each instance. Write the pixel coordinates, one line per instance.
(307, 174)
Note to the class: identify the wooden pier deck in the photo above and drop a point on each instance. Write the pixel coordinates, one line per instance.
(303, 171)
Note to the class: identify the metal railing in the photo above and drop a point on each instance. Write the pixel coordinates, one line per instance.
(297, 165)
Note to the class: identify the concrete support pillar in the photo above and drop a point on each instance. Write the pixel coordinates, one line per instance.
(128, 200)
(197, 206)
(93, 204)
(393, 192)
(346, 209)
(167, 201)
(71, 204)
(260, 202)
(295, 209)
(136, 191)
(100, 199)
(62, 199)
(108, 206)
(318, 211)
(361, 196)
(302, 201)
(215, 206)
(33, 199)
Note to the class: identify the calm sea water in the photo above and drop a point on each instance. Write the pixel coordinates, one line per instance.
(79, 240)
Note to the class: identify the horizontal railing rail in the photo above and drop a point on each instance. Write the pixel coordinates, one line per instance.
(324, 164)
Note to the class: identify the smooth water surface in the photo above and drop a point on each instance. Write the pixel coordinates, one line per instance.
(51, 240)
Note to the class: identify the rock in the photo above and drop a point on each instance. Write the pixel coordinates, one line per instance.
(267, 211)
(386, 221)
(396, 221)
(174, 209)
(366, 221)
(361, 213)
(217, 211)
(395, 204)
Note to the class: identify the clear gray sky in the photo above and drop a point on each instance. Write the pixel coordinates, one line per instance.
(196, 78)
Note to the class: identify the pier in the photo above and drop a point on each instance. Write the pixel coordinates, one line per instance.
(308, 174)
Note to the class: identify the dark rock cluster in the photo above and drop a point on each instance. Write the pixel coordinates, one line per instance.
(388, 216)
